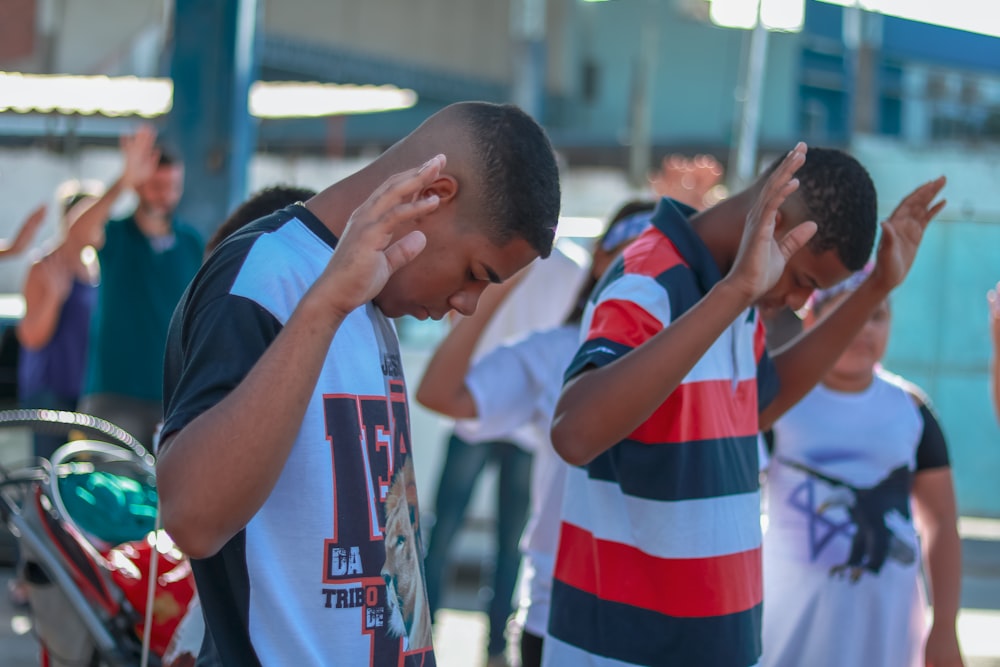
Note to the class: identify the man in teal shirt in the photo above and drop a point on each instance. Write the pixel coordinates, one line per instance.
(147, 260)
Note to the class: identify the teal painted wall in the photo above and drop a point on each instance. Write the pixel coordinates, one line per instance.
(940, 337)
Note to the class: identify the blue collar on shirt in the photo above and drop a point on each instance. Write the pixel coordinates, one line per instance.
(671, 218)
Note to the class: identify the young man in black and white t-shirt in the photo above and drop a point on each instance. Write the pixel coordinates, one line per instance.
(285, 469)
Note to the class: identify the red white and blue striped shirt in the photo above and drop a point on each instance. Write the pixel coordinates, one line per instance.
(659, 558)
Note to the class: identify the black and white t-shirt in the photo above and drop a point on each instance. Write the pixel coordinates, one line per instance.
(329, 571)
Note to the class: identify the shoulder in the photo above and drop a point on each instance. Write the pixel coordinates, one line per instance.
(917, 395)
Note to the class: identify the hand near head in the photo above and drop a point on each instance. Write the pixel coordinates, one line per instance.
(366, 254)
(26, 234)
(902, 233)
(141, 156)
(761, 257)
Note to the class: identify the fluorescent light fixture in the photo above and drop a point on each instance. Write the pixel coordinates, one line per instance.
(734, 13)
(784, 15)
(580, 227)
(289, 98)
(969, 15)
(132, 96)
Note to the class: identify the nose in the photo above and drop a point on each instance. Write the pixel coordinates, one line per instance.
(465, 300)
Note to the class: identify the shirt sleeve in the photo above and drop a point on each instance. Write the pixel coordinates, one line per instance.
(504, 391)
(518, 385)
(215, 339)
(932, 450)
(628, 312)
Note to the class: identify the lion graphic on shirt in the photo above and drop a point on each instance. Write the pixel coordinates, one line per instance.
(409, 615)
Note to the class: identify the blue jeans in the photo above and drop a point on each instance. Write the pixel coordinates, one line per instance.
(462, 466)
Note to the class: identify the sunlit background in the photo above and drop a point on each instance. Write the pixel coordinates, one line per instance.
(303, 92)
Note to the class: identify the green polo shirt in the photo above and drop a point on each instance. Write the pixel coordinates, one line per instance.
(140, 286)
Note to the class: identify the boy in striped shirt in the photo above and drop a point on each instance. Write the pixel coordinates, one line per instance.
(659, 555)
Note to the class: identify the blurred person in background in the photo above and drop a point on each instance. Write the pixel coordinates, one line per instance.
(516, 385)
(147, 259)
(842, 556)
(693, 181)
(263, 202)
(541, 300)
(60, 290)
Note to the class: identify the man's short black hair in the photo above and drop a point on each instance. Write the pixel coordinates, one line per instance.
(839, 196)
(263, 202)
(519, 178)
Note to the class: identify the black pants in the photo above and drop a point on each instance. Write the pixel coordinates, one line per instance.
(531, 650)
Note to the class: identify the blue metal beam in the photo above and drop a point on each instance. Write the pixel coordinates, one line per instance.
(214, 61)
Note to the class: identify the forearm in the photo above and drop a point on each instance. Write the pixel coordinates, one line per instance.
(96, 215)
(39, 323)
(943, 563)
(215, 474)
(936, 516)
(41, 313)
(604, 405)
(801, 364)
(442, 387)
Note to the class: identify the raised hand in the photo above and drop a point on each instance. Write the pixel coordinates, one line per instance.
(761, 257)
(26, 234)
(902, 233)
(141, 156)
(688, 180)
(366, 255)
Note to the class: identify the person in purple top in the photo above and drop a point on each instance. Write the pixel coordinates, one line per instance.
(59, 293)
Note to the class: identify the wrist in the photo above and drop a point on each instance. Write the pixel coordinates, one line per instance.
(734, 293)
(322, 313)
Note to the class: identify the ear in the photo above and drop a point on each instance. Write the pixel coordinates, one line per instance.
(444, 186)
(780, 218)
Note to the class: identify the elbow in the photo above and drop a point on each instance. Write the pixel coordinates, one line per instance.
(30, 339)
(189, 526)
(425, 396)
(570, 445)
(457, 405)
(185, 530)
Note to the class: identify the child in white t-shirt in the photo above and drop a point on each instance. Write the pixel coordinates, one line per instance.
(842, 553)
(518, 385)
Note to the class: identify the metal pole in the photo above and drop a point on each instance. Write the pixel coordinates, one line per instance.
(744, 158)
(527, 34)
(210, 120)
(640, 144)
